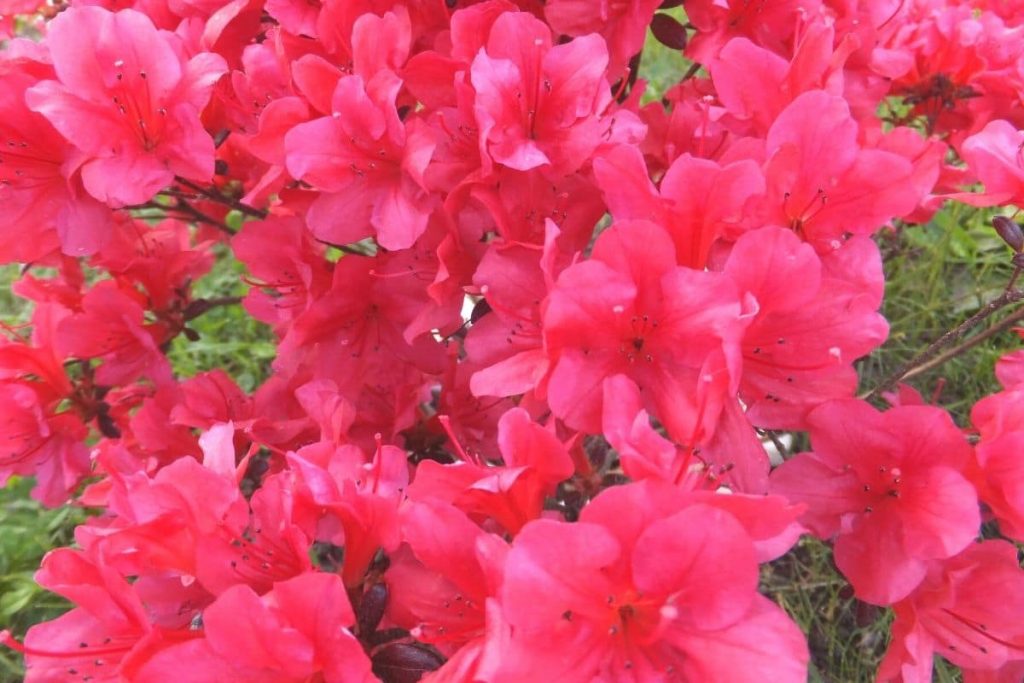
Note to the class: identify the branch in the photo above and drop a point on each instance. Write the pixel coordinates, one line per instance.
(215, 195)
(199, 306)
(926, 357)
(691, 72)
(1001, 326)
(184, 210)
(343, 248)
(197, 215)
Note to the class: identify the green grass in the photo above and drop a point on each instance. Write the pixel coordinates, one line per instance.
(937, 275)
(27, 531)
(228, 337)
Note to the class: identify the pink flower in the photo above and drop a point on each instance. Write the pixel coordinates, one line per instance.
(35, 443)
(755, 84)
(441, 578)
(534, 463)
(698, 201)
(648, 586)
(112, 327)
(353, 502)
(356, 332)
(297, 632)
(822, 183)
(629, 309)
(889, 486)
(287, 267)
(646, 454)
(128, 98)
(770, 23)
(106, 634)
(367, 163)
(967, 609)
(37, 194)
(811, 322)
(622, 23)
(995, 156)
(539, 104)
(999, 474)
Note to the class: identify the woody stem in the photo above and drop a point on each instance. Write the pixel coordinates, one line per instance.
(1001, 326)
(214, 194)
(927, 356)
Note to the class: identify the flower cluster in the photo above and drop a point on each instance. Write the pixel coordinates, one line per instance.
(532, 329)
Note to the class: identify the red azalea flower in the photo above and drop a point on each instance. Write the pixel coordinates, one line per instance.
(440, 580)
(539, 104)
(698, 200)
(35, 443)
(112, 327)
(647, 586)
(128, 98)
(811, 322)
(890, 487)
(995, 157)
(629, 309)
(297, 632)
(822, 183)
(354, 501)
(534, 463)
(967, 609)
(367, 163)
(622, 24)
(39, 188)
(105, 636)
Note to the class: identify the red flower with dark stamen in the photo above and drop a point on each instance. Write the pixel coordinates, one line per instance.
(129, 100)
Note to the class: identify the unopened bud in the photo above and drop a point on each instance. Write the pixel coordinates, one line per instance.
(668, 31)
(1010, 231)
(371, 608)
(405, 662)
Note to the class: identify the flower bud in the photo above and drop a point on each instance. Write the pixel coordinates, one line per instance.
(668, 31)
(371, 608)
(1010, 231)
(405, 662)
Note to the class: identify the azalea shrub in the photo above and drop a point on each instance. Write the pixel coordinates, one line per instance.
(560, 362)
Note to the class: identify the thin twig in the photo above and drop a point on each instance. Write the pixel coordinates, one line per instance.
(774, 438)
(1005, 299)
(342, 247)
(1013, 278)
(185, 211)
(182, 205)
(200, 306)
(215, 195)
(1001, 326)
(692, 71)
